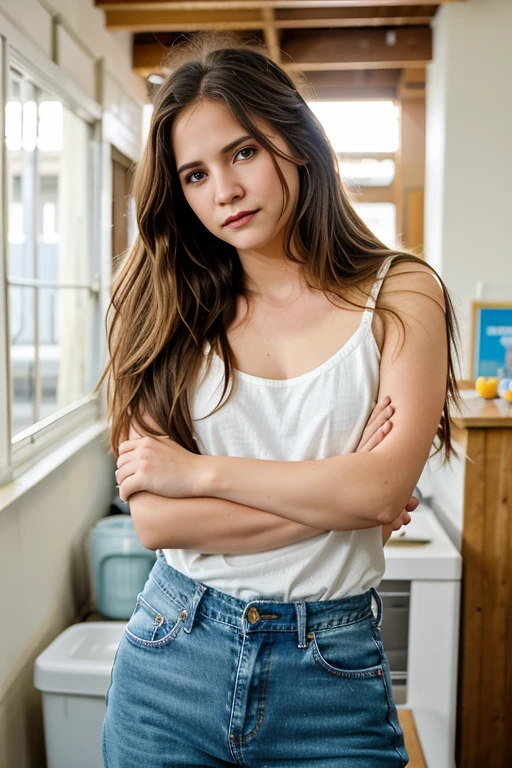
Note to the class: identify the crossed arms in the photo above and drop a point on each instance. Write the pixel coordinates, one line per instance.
(260, 504)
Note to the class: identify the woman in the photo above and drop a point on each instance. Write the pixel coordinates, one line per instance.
(256, 640)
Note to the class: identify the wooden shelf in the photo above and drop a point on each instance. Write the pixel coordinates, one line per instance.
(477, 412)
(412, 744)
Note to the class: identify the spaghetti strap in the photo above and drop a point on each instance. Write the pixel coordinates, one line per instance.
(372, 299)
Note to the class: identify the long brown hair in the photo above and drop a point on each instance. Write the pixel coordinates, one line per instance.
(176, 288)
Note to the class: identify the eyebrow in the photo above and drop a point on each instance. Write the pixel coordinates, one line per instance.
(226, 149)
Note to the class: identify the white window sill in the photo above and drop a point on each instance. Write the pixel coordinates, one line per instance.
(13, 490)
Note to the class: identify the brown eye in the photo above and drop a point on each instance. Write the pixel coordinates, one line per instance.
(247, 149)
(190, 175)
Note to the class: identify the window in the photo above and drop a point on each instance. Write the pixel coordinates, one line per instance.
(381, 219)
(52, 279)
(365, 135)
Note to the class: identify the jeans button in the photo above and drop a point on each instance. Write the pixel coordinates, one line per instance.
(253, 615)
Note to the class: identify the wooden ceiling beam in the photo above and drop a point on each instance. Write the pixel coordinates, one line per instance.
(411, 84)
(188, 21)
(211, 5)
(355, 84)
(356, 48)
(355, 17)
(184, 21)
(334, 22)
(332, 49)
(369, 14)
(271, 34)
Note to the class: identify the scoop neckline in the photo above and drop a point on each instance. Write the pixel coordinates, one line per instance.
(363, 329)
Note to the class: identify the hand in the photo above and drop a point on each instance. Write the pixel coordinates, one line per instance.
(403, 518)
(158, 465)
(378, 426)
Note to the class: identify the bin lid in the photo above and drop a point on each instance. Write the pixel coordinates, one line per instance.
(79, 661)
(115, 525)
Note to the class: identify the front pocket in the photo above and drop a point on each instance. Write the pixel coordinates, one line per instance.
(154, 626)
(349, 650)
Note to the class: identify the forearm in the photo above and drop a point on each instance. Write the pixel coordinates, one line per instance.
(211, 525)
(349, 492)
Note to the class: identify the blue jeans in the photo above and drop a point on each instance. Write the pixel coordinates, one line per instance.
(202, 678)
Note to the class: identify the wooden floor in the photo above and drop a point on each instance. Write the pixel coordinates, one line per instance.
(412, 744)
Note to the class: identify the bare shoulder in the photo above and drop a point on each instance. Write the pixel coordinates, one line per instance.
(408, 282)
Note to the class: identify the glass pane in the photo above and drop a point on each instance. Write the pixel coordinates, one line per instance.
(359, 126)
(21, 318)
(64, 190)
(48, 180)
(367, 172)
(20, 138)
(48, 238)
(65, 332)
(381, 219)
(48, 186)
(62, 194)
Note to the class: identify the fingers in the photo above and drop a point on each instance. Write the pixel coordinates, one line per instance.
(124, 471)
(379, 417)
(382, 417)
(403, 519)
(376, 438)
(379, 407)
(412, 504)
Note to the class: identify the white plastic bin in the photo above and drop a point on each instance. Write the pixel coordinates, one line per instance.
(73, 674)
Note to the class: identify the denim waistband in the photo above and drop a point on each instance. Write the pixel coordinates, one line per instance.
(261, 614)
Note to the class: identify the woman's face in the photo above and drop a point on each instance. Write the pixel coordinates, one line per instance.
(228, 172)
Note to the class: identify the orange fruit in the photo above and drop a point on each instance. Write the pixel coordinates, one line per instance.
(487, 387)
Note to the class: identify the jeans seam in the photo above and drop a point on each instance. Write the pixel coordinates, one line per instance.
(388, 701)
(345, 624)
(104, 748)
(168, 595)
(262, 700)
(168, 639)
(348, 674)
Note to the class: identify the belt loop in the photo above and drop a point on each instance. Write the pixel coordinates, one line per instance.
(191, 611)
(300, 609)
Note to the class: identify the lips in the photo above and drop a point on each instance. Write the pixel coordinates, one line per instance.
(238, 216)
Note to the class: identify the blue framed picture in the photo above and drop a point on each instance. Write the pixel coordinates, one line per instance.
(491, 337)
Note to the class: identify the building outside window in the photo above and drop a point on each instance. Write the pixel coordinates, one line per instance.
(51, 285)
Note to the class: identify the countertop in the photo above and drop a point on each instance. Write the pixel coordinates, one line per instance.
(477, 412)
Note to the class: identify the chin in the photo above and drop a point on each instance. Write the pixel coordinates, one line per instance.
(247, 241)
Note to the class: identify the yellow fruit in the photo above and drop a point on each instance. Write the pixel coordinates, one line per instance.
(487, 387)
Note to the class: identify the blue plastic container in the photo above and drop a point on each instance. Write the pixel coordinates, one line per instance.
(120, 565)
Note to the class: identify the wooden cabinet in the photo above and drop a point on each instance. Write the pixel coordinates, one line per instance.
(484, 709)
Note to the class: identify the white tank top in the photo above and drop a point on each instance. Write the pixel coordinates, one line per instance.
(319, 414)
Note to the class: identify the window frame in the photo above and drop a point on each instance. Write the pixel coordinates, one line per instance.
(19, 453)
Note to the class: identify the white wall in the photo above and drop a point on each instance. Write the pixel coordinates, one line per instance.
(468, 190)
(443, 485)
(43, 532)
(468, 197)
(44, 577)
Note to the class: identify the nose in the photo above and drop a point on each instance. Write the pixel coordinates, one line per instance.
(227, 188)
